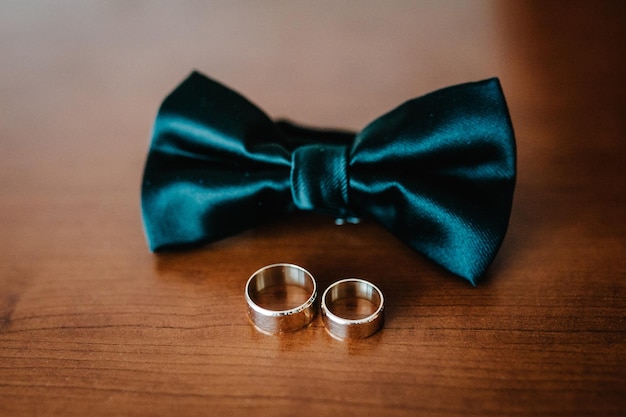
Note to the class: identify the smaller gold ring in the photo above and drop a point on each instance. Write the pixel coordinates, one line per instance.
(347, 328)
(283, 320)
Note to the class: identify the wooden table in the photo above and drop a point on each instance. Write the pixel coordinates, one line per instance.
(92, 323)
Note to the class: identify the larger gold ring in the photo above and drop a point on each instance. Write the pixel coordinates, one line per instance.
(283, 316)
(351, 291)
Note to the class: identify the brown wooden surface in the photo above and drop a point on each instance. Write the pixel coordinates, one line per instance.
(91, 323)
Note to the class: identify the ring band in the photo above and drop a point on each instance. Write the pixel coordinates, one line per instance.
(291, 317)
(346, 328)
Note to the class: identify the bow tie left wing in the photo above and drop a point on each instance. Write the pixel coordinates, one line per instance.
(217, 165)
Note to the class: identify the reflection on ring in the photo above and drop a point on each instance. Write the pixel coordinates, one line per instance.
(281, 298)
(352, 308)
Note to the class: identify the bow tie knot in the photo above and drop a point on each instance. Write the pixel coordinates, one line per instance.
(319, 178)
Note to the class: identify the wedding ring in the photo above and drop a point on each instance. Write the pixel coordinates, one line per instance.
(281, 298)
(345, 297)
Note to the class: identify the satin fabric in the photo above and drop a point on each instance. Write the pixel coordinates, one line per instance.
(438, 171)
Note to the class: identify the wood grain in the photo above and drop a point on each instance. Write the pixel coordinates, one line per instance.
(91, 323)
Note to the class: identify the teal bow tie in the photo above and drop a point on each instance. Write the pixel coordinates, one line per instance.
(437, 171)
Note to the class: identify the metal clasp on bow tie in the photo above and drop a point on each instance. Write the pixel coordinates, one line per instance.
(340, 221)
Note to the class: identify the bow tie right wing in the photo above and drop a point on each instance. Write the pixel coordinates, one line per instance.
(439, 172)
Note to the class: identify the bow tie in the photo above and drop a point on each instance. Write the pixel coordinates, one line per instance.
(438, 171)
